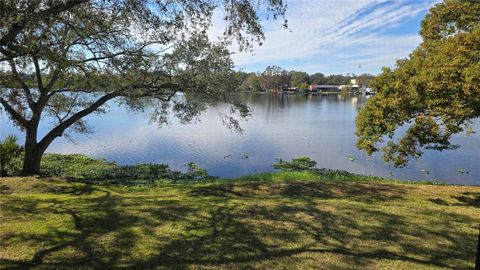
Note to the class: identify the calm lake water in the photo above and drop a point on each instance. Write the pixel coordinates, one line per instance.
(281, 126)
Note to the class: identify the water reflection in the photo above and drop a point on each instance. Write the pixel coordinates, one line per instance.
(281, 126)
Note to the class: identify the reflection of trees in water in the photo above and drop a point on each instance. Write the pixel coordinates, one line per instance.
(273, 101)
(265, 101)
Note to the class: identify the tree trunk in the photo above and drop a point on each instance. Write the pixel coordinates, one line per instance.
(31, 161)
(33, 153)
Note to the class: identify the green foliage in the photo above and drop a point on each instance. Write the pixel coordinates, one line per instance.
(274, 78)
(240, 78)
(303, 85)
(251, 83)
(318, 78)
(297, 164)
(299, 79)
(145, 173)
(66, 59)
(433, 94)
(196, 173)
(75, 166)
(10, 156)
(322, 174)
(82, 167)
(337, 79)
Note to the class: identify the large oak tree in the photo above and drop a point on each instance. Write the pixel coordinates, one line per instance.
(431, 95)
(66, 58)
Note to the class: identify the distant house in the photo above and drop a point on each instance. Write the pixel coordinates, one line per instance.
(361, 81)
(354, 84)
(301, 88)
(323, 88)
(291, 89)
(369, 91)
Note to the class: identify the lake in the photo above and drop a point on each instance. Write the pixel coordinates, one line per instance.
(281, 126)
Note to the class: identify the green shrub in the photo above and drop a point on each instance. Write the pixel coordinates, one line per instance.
(10, 156)
(144, 173)
(195, 172)
(297, 164)
(75, 166)
(83, 167)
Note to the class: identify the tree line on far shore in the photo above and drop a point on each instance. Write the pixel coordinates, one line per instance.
(271, 79)
(276, 78)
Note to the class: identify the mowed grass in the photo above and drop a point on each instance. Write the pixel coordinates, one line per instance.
(271, 221)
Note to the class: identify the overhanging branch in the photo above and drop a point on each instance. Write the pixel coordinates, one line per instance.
(17, 116)
(23, 23)
(58, 130)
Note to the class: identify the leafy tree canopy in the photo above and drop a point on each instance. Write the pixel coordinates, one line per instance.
(274, 78)
(433, 94)
(297, 164)
(298, 78)
(318, 78)
(251, 83)
(67, 58)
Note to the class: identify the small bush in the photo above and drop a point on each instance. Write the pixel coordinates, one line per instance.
(297, 164)
(145, 173)
(83, 167)
(75, 166)
(195, 172)
(10, 156)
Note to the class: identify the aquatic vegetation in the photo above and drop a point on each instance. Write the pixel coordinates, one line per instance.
(425, 171)
(351, 157)
(195, 172)
(83, 167)
(297, 164)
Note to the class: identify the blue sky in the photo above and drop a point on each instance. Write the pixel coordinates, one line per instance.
(341, 36)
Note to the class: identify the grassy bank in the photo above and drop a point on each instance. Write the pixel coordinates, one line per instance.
(268, 221)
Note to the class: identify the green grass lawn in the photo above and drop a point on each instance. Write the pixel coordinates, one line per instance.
(281, 223)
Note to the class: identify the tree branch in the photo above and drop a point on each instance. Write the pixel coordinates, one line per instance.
(17, 116)
(58, 130)
(25, 88)
(22, 24)
(44, 95)
(169, 96)
(38, 73)
(53, 80)
(109, 55)
(64, 90)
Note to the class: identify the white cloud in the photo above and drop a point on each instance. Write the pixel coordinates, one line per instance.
(322, 33)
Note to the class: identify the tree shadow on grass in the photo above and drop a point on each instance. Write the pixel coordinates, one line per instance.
(469, 199)
(230, 226)
(353, 191)
(237, 236)
(51, 186)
